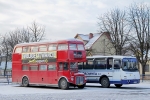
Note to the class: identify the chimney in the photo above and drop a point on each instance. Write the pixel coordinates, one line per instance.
(90, 35)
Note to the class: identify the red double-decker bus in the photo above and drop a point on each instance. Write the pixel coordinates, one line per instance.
(49, 63)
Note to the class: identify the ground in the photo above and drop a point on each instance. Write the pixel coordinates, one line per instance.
(90, 92)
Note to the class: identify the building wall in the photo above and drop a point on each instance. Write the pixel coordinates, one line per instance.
(147, 69)
(103, 46)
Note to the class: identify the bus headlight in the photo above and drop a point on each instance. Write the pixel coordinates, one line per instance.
(72, 78)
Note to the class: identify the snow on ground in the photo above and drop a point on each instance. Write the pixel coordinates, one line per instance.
(90, 92)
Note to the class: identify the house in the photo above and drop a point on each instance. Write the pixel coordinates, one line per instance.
(97, 43)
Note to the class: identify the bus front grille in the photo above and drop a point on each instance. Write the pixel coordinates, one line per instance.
(79, 80)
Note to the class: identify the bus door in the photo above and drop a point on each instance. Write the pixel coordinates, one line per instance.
(109, 68)
(116, 71)
(63, 69)
(42, 75)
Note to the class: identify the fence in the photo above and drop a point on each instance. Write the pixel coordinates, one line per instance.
(7, 77)
(145, 77)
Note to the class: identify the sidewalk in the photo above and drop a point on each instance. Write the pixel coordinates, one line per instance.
(5, 80)
(145, 81)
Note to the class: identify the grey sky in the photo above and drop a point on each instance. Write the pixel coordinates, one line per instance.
(61, 18)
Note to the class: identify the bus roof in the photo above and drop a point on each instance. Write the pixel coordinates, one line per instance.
(49, 42)
(113, 56)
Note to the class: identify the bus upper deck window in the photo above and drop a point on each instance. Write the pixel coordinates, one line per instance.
(62, 47)
(80, 47)
(34, 49)
(25, 49)
(72, 47)
(43, 48)
(18, 50)
(52, 47)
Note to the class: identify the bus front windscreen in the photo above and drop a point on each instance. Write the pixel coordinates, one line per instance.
(129, 64)
(73, 66)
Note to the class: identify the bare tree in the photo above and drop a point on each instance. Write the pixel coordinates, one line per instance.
(5, 50)
(139, 19)
(115, 22)
(29, 34)
(36, 31)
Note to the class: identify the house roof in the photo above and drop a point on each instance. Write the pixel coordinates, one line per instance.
(84, 37)
(90, 42)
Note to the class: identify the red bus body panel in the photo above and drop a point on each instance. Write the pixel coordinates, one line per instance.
(47, 77)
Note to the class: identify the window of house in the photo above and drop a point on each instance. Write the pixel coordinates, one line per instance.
(72, 47)
(43, 67)
(147, 68)
(52, 47)
(25, 67)
(33, 67)
(80, 47)
(34, 49)
(43, 48)
(18, 50)
(26, 49)
(62, 47)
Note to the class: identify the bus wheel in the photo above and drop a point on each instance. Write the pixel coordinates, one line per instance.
(105, 82)
(118, 85)
(63, 84)
(25, 82)
(81, 86)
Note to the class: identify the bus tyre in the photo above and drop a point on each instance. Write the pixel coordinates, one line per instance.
(118, 85)
(63, 84)
(81, 86)
(25, 82)
(105, 82)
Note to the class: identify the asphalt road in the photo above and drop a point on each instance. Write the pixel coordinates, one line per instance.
(90, 92)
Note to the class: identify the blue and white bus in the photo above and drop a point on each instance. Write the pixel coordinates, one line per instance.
(106, 70)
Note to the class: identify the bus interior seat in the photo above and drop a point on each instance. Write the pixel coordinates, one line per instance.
(100, 66)
(109, 66)
(79, 66)
(116, 66)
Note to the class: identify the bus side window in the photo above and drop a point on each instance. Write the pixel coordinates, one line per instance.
(52, 47)
(89, 65)
(18, 50)
(100, 63)
(26, 49)
(52, 67)
(117, 64)
(25, 67)
(34, 67)
(43, 48)
(65, 66)
(80, 65)
(62, 47)
(43, 67)
(60, 66)
(80, 47)
(109, 63)
(34, 48)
